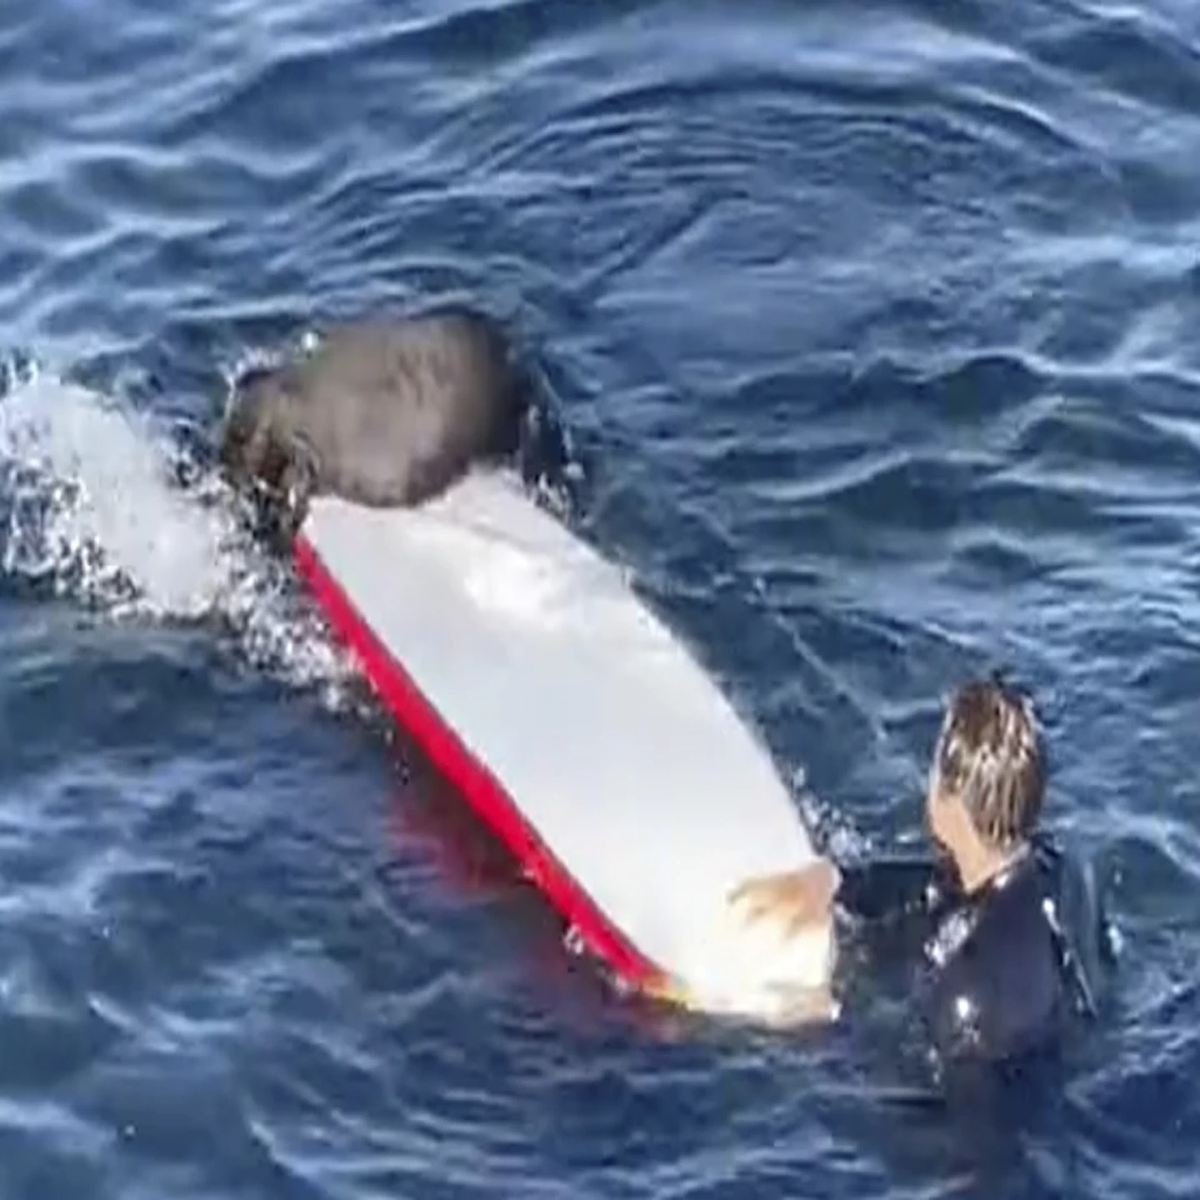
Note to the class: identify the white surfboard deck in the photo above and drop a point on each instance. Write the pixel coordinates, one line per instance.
(632, 790)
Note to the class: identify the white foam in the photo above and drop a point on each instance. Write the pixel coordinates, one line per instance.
(93, 510)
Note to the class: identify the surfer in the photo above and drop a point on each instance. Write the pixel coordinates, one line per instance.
(1006, 929)
(384, 413)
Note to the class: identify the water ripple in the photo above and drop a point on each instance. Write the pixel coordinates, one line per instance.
(875, 332)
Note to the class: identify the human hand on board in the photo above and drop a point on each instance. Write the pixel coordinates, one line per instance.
(792, 898)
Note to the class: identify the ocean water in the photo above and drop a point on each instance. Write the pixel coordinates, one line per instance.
(875, 328)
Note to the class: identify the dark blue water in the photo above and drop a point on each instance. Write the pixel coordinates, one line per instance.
(875, 325)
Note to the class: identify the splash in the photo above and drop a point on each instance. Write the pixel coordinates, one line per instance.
(92, 509)
(833, 830)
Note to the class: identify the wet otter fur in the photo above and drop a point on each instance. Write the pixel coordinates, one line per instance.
(384, 412)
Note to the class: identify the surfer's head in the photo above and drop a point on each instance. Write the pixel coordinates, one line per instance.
(987, 779)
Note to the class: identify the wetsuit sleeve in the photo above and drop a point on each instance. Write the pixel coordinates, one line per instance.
(888, 889)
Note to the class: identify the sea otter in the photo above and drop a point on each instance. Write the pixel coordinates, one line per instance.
(384, 412)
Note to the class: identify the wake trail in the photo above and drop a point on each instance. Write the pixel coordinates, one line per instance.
(101, 507)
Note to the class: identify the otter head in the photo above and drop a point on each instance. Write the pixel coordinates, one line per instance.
(261, 453)
(249, 418)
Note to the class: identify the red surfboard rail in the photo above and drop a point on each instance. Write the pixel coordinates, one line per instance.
(419, 718)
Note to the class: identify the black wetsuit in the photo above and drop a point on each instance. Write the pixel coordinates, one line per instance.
(1001, 970)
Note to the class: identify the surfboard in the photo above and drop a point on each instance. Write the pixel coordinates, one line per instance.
(581, 729)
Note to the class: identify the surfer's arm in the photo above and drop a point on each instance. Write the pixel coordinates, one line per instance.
(886, 889)
(878, 891)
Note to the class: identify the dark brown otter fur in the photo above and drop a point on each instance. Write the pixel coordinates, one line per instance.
(385, 412)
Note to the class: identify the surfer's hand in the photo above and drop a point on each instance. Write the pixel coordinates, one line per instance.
(795, 898)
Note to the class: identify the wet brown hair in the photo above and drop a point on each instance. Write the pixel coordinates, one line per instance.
(989, 755)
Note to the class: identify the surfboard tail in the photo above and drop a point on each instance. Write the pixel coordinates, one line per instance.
(663, 988)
